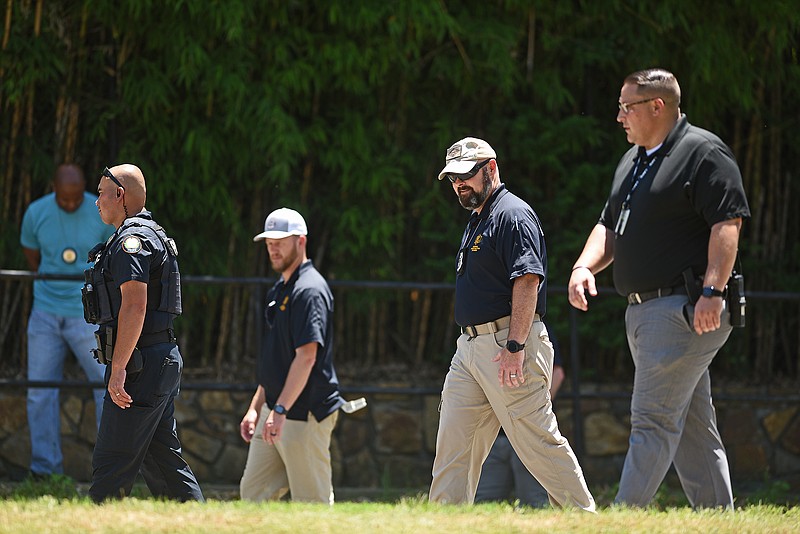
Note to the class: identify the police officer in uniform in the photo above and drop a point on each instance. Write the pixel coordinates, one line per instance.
(133, 293)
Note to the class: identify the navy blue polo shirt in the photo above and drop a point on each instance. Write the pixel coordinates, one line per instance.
(502, 242)
(300, 311)
(136, 253)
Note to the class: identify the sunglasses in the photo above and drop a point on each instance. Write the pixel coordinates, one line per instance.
(111, 177)
(467, 175)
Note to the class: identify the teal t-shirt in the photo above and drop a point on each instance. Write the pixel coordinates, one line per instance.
(63, 241)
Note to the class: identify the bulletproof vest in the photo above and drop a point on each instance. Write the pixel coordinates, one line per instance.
(102, 298)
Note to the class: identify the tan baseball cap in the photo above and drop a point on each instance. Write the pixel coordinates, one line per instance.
(461, 157)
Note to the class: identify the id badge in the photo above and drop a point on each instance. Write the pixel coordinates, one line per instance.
(460, 262)
(622, 222)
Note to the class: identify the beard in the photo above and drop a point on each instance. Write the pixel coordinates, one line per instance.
(472, 199)
(283, 263)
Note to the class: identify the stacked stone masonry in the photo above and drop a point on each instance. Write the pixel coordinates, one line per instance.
(391, 443)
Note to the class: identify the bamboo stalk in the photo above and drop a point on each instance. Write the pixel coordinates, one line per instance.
(372, 334)
(226, 318)
(236, 340)
(37, 21)
(25, 195)
(6, 312)
(222, 338)
(16, 121)
(531, 44)
(427, 305)
(6, 36)
(7, 25)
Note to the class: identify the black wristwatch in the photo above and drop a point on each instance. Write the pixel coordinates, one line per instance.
(279, 409)
(711, 291)
(513, 346)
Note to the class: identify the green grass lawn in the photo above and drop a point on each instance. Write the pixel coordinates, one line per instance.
(59, 505)
(48, 514)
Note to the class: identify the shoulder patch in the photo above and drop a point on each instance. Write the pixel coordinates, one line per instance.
(132, 245)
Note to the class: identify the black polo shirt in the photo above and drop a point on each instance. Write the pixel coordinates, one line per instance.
(502, 242)
(693, 184)
(300, 311)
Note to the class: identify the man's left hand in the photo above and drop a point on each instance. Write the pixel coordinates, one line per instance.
(707, 314)
(510, 371)
(273, 428)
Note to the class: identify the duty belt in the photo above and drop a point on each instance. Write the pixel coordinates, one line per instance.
(165, 336)
(638, 298)
(491, 327)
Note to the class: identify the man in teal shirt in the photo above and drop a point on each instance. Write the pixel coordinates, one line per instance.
(58, 230)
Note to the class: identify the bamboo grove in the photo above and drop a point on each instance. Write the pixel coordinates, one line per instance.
(343, 110)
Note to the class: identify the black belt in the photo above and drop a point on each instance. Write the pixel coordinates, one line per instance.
(638, 298)
(165, 336)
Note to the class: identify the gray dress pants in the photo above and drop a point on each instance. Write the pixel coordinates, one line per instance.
(672, 417)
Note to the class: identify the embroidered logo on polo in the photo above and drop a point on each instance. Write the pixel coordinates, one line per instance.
(476, 245)
(132, 244)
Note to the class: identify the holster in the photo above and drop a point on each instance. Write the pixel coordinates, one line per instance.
(736, 300)
(694, 287)
(734, 295)
(104, 337)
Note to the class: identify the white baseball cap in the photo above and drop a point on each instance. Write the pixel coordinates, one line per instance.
(282, 223)
(462, 156)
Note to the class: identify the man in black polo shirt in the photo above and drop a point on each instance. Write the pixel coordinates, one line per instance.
(677, 203)
(502, 369)
(293, 412)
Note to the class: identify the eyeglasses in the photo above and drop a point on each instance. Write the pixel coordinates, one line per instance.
(111, 177)
(467, 175)
(626, 107)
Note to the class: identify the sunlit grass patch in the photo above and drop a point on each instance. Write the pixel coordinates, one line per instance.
(408, 515)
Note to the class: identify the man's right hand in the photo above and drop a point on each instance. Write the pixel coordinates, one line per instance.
(580, 281)
(116, 387)
(247, 428)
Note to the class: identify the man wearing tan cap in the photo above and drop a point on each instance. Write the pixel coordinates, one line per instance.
(293, 412)
(503, 365)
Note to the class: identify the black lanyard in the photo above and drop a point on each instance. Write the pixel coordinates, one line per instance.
(637, 179)
(625, 212)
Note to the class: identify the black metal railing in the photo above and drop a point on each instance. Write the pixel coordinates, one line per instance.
(574, 394)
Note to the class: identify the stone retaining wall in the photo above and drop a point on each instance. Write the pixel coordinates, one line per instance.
(391, 443)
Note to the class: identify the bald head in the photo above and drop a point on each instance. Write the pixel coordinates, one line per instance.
(132, 179)
(69, 185)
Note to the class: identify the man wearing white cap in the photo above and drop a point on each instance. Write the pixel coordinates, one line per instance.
(293, 412)
(502, 369)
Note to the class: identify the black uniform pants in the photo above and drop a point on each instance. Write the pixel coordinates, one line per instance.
(143, 436)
